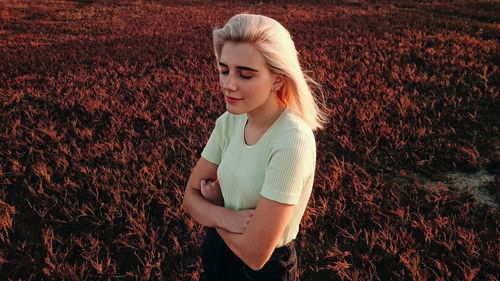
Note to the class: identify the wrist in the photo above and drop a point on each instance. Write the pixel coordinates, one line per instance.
(220, 215)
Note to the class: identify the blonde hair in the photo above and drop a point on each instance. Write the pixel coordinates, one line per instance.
(275, 44)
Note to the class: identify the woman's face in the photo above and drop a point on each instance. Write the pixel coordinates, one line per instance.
(245, 78)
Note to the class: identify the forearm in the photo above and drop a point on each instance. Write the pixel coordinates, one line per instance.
(242, 248)
(233, 240)
(260, 238)
(202, 210)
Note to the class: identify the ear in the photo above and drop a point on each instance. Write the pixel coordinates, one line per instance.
(278, 82)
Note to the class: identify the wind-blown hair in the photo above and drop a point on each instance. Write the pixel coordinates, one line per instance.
(276, 45)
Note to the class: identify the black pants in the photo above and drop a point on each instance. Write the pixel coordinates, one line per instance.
(221, 264)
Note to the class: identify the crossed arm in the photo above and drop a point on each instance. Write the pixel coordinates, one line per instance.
(261, 227)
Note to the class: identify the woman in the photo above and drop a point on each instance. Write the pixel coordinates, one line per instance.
(254, 178)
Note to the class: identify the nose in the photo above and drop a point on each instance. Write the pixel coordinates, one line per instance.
(228, 82)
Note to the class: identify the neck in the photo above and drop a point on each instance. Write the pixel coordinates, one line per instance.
(264, 117)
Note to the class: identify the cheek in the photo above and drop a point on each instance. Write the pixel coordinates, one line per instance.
(260, 87)
(254, 84)
(221, 80)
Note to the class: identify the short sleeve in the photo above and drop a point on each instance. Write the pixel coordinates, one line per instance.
(292, 163)
(214, 147)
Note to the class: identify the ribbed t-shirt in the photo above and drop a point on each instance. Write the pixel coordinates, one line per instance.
(280, 166)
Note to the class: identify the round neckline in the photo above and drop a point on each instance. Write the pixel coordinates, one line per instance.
(245, 120)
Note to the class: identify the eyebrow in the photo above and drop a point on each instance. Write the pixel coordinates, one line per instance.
(240, 67)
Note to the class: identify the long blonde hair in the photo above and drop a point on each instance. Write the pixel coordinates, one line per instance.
(276, 45)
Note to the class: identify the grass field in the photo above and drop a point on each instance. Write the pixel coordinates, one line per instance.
(106, 105)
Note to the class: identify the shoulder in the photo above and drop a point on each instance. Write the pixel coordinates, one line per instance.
(292, 128)
(293, 136)
(222, 118)
(228, 119)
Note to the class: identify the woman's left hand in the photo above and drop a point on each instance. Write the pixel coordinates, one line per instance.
(211, 191)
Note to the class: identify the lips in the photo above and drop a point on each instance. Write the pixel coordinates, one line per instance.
(232, 101)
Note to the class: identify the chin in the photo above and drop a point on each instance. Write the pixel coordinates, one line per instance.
(232, 110)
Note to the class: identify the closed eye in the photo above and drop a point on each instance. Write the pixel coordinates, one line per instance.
(242, 76)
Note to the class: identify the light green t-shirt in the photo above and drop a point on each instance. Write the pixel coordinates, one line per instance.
(280, 166)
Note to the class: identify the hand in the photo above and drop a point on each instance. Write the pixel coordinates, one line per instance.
(236, 221)
(210, 190)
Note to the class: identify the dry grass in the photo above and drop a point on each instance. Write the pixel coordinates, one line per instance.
(105, 106)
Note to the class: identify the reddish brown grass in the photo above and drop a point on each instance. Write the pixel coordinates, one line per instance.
(105, 106)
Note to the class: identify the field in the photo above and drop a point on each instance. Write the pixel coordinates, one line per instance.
(105, 106)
